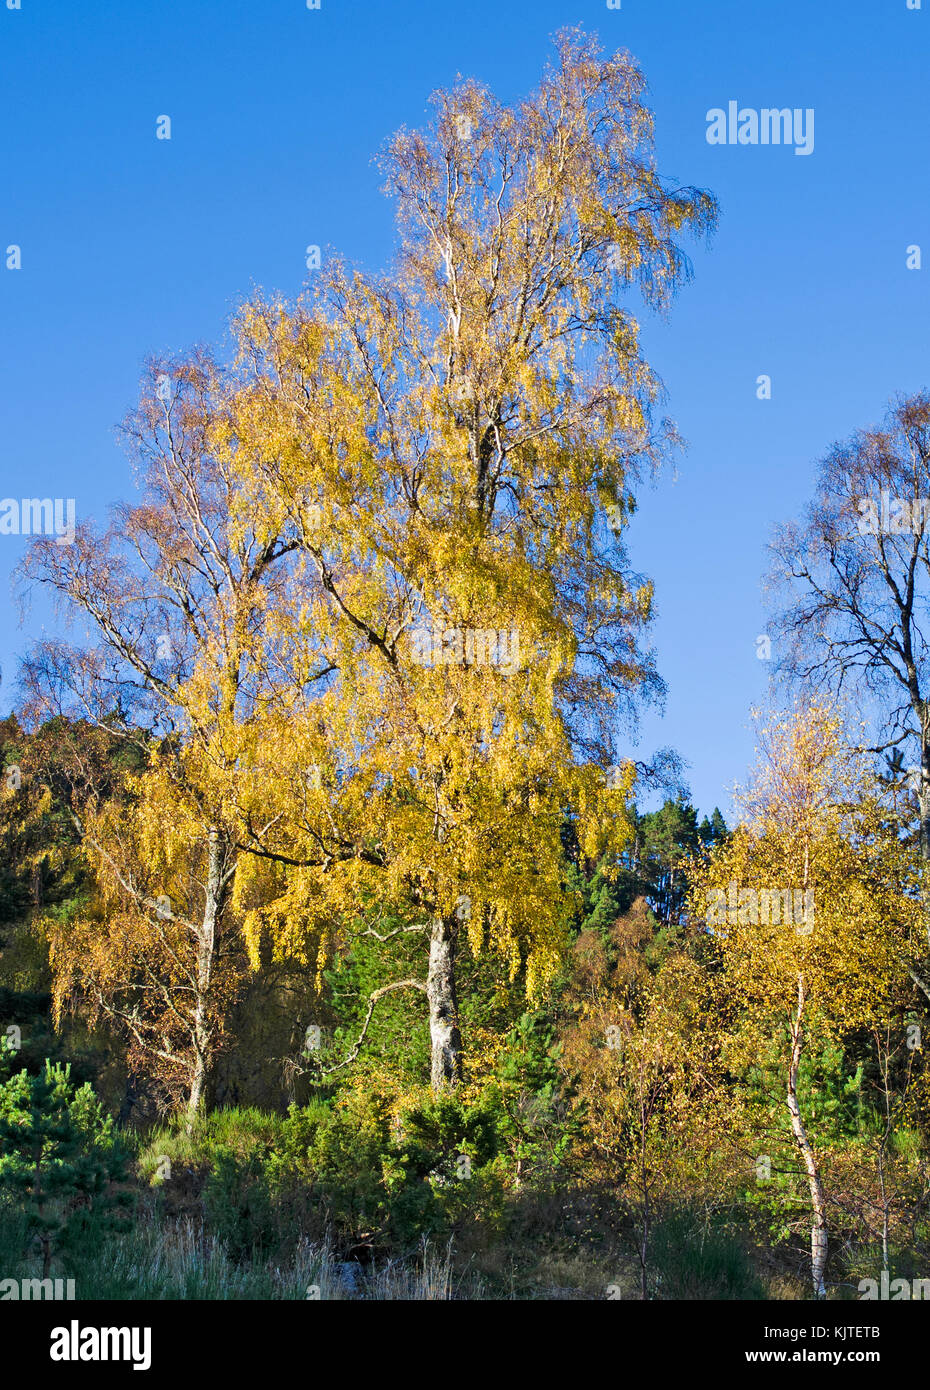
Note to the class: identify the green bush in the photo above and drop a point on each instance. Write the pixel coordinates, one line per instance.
(60, 1161)
(689, 1259)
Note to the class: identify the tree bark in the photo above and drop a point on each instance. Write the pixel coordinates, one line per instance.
(198, 1082)
(130, 1097)
(445, 1038)
(203, 1025)
(923, 793)
(819, 1240)
(647, 1213)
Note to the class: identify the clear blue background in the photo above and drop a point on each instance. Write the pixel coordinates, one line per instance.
(133, 245)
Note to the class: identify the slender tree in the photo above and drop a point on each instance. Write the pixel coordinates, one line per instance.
(812, 903)
(171, 602)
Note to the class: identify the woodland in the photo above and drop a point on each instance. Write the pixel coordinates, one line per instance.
(338, 956)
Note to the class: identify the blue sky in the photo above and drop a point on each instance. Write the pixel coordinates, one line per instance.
(132, 245)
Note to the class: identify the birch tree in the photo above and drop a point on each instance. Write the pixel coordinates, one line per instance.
(386, 546)
(812, 902)
(456, 444)
(166, 652)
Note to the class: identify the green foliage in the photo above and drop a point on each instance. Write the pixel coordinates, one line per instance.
(520, 1168)
(531, 1097)
(691, 1259)
(385, 1182)
(59, 1159)
(654, 867)
(830, 1090)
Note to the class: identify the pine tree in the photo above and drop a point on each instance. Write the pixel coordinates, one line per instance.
(58, 1157)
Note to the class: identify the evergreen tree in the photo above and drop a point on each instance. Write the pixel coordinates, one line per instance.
(58, 1158)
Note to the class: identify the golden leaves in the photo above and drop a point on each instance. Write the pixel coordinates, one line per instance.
(815, 883)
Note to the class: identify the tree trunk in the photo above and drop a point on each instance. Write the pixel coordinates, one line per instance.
(818, 1200)
(38, 1196)
(130, 1097)
(923, 799)
(445, 1038)
(198, 1081)
(923, 793)
(647, 1214)
(203, 1029)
